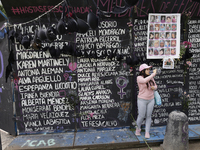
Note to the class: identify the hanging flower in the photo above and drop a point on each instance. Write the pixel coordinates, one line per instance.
(131, 69)
(187, 44)
(189, 63)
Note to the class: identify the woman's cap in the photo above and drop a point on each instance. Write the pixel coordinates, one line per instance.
(144, 66)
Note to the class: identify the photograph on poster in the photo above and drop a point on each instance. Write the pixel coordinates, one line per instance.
(168, 35)
(167, 43)
(151, 27)
(161, 51)
(168, 20)
(162, 35)
(157, 18)
(157, 27)
(156, 43)
(173, 43)
(163, 19)
(167, 51)
(157, 35)
(173, 18)
(156, 51)
(163, 38)
(173, 51)
(151, 43)
(168, 63)
(162, 27)
(173, 27)
(150, 51)
(162, 43)
(151, 35)
(152, 18)
(168, 27)
(173, 35)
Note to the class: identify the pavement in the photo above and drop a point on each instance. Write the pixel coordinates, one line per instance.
(115, 139)
(6, 139)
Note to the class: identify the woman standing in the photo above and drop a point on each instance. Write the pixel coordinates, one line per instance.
(145, 100)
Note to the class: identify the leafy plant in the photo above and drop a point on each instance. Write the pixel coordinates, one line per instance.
(73, 100)
(186, 68)
(184, 45)
(186, 56)
(185, 100)
(187, 16)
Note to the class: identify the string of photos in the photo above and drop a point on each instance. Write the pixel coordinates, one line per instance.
(68, 23)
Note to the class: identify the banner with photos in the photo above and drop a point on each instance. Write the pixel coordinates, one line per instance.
(163, 38)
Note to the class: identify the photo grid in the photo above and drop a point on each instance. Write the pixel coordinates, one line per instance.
(162, 35)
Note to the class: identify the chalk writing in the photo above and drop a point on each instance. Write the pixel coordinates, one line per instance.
(193, 84)
(37, 143)
(43, 9)
(121, 83)
(42, 86)
(44, 83)
(95, 76)
(94, 96)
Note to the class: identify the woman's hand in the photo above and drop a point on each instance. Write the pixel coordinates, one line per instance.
(155, 71)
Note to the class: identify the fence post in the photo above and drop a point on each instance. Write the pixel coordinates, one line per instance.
(176, 134)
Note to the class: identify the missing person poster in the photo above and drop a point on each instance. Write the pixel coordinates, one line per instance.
(163, 38)
(168, 63)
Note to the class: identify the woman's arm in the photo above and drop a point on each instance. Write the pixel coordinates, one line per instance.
(141, 79)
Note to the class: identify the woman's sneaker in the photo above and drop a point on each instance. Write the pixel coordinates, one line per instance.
(137, 132)
(147, 135)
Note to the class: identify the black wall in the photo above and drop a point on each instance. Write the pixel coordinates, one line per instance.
(105, 86)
